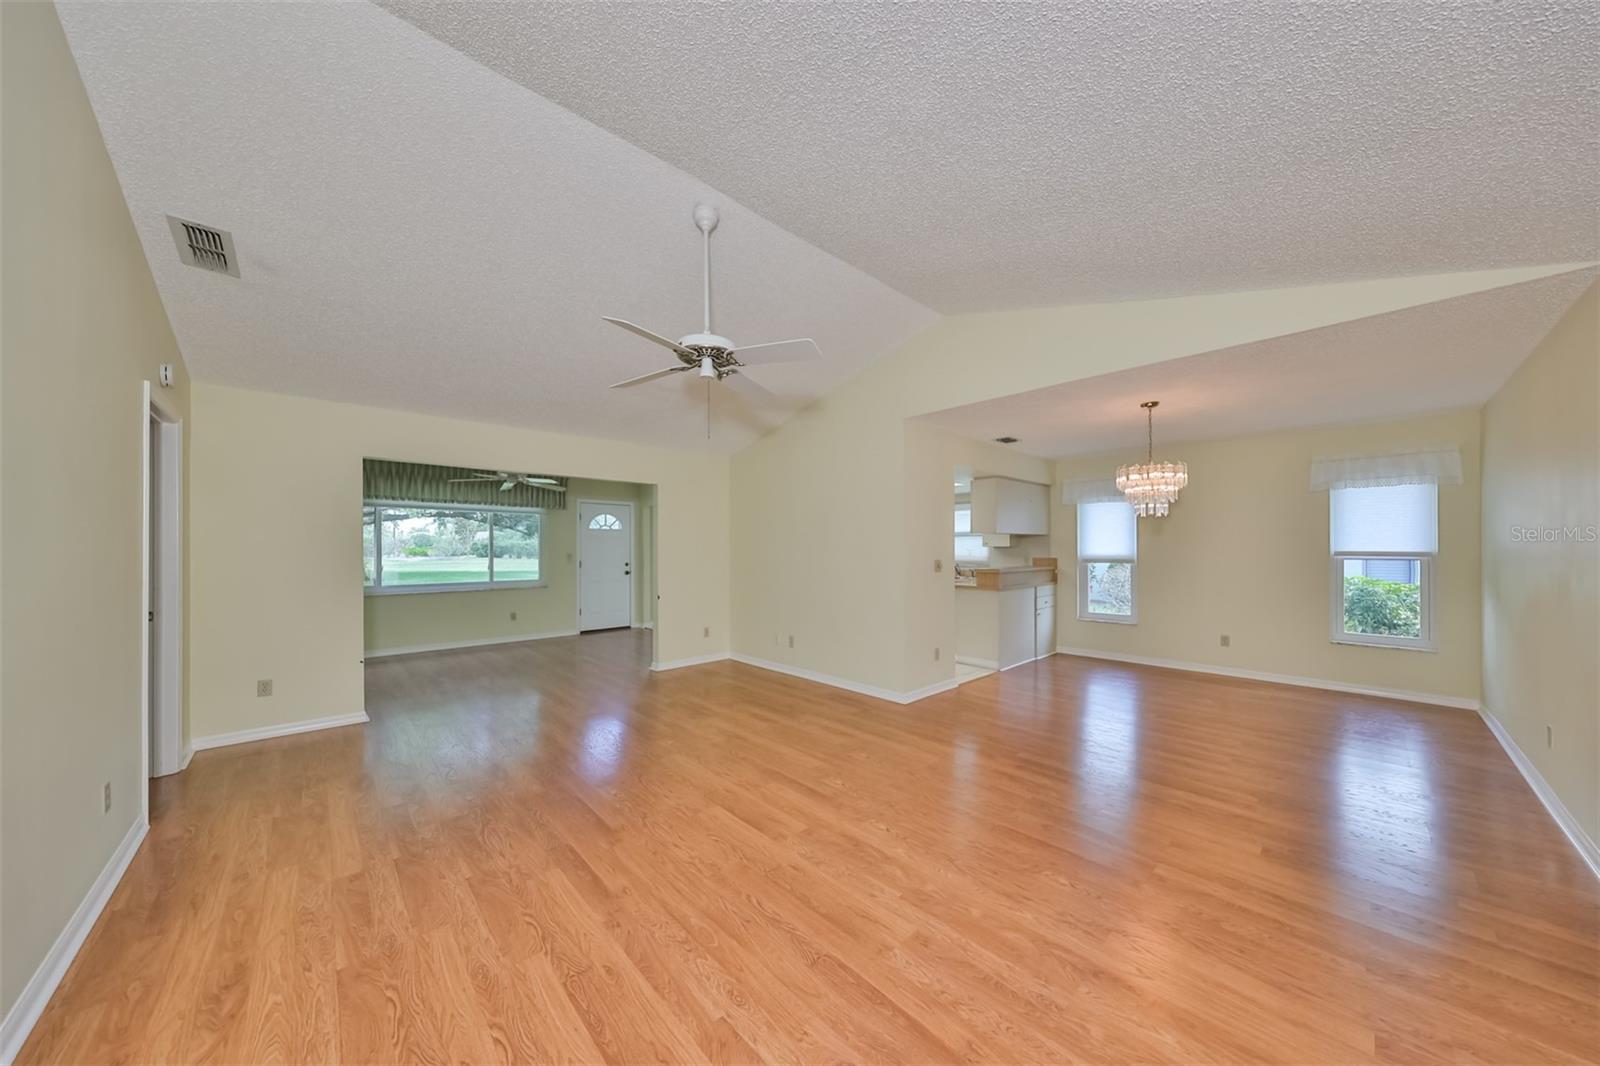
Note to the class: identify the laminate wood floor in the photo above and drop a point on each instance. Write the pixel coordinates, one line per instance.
(543, 852)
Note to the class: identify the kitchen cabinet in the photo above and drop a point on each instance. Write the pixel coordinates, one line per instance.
(1005, 505)
(1004, 627)
(1044, 621)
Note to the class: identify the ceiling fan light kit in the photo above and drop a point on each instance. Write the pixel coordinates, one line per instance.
(1151, 487)
(713, 356)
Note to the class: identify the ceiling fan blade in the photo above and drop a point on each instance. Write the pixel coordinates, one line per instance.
(508, 485)
(483, 478)
(653, 375)
(541, 482)
(777, 352)
(748, 387)
(647, 335)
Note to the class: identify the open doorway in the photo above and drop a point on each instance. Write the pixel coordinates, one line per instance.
(162, 691)
(461, 557)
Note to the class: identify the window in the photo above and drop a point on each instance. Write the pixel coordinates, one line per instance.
(969, 545)
(435, 549)
(1108, 547)
(604, 521)
(1383, 542)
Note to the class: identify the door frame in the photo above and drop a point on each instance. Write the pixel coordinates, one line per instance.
(168, 596)
(633, 565)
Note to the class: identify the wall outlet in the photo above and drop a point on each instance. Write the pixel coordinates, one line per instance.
(1226, 641)
(1549, 737)
(935, 654)
(938, 566)
(513, 616)
(105, 801)
(264, 687)
(707, 632)
(791, 640)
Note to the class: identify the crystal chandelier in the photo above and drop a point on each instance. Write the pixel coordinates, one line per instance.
(1151, 486)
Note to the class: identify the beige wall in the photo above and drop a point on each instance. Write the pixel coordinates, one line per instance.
(1541, 597)
(276, 541)
(396, 622)
(815, 550)
(83, 328)
(1245, 552)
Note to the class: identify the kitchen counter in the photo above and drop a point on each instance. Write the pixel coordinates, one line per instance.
(995, 579)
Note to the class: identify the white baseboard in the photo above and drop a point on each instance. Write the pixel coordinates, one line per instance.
(384, 653)
(1276, 679)
(698, 660)
(188, 754)
(1581, 840)
(644, 625)
(24, 1013)
(308, 725)
(849, 686)
(986, 664)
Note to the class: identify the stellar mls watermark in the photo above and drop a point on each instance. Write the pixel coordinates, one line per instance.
(1555, 534)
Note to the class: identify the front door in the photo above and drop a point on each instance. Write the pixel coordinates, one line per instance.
(605, 565)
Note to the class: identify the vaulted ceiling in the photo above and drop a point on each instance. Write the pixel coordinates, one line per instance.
(434, 210)
(417, 232)
(986, 155)
(1443, 355)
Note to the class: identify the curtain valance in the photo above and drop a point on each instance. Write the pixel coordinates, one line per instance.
(1093, 490)
(1436, 466)
(383, 479)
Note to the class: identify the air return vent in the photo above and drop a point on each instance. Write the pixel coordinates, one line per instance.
(204, 246)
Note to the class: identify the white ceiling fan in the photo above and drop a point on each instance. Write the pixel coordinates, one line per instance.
(510, 480)
(715, 357)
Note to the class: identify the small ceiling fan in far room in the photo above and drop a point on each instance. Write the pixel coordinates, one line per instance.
(511, 480)
(717, 358)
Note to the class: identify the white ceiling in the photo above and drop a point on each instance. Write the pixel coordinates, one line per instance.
(417, 232)
(1434, 357)
(979, 156)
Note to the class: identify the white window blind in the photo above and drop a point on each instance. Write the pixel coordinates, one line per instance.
(1107, 530)
(1397, 519)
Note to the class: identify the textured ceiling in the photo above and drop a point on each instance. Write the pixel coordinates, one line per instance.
(415, 231)
(1433, 357)
(980, 156)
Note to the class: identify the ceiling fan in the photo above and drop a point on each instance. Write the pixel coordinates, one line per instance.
(510, 480)
(717, 358)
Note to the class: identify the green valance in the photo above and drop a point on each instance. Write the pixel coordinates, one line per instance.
(383, 479)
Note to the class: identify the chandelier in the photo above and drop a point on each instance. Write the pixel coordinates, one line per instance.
(1151, 486)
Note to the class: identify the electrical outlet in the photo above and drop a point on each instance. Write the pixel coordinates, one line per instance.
(935, 654)
(105, 803)
(791, 640)
(938, 566)
(264, 687)
(1227, 641)
(707, 632)
(1549, 737)
(513, 616)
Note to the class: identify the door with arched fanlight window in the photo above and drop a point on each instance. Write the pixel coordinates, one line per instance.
(605, 565)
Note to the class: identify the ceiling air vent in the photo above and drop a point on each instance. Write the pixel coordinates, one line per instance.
(1005, 440)
(204, 247)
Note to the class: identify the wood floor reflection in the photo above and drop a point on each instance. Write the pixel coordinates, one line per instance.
(544, 852)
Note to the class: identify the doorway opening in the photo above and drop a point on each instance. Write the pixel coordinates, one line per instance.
(161, 702)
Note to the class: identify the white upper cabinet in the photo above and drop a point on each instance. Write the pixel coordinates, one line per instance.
(1004, 505)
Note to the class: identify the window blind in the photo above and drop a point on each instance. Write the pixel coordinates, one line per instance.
(1107, 530)
(1396, 519)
